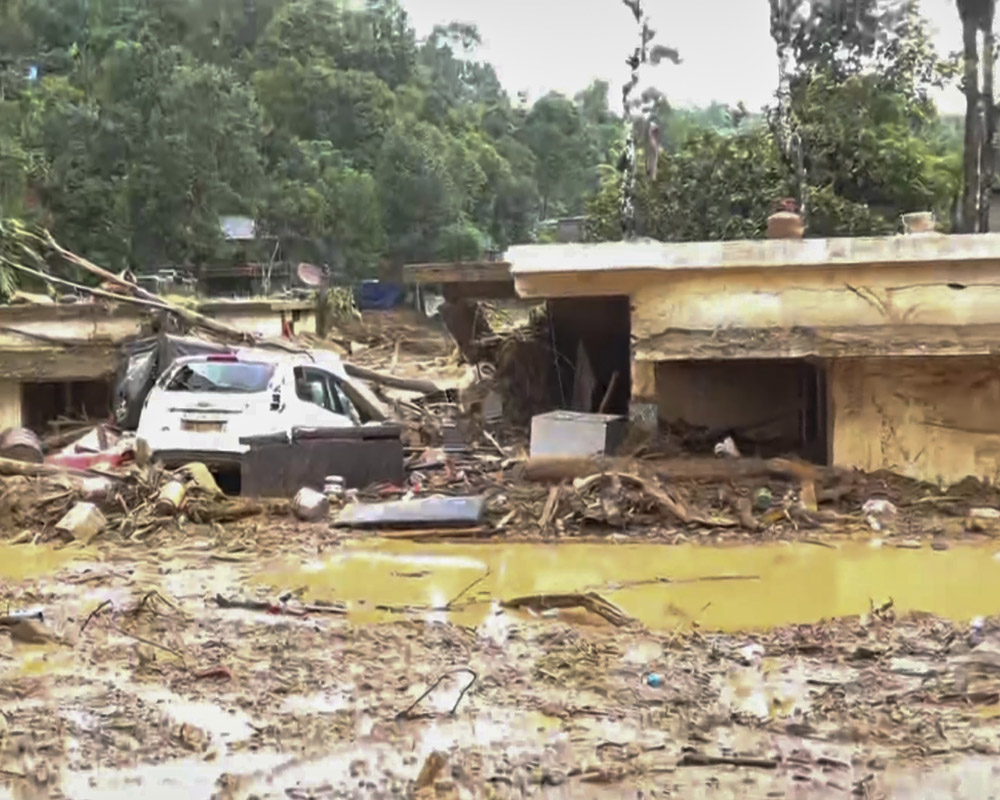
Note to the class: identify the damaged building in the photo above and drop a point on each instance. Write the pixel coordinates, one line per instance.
(871, 353)
(60, 360)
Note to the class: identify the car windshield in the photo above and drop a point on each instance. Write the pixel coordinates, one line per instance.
(215, 376)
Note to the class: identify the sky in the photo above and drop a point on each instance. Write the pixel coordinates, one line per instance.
(728, 55)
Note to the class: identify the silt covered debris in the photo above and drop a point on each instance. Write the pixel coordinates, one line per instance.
(745, 672)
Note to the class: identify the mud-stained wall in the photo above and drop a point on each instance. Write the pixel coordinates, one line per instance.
(765, 401)
(266, 323)
(644, 381)
(934, 419)
(10, 404)
(844, 311)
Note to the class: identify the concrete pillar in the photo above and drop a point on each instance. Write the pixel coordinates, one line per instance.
(10, 404)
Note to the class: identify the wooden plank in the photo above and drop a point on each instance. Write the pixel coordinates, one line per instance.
(674, 344)
(457, 272)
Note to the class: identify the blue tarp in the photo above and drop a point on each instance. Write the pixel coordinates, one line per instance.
(378, 296)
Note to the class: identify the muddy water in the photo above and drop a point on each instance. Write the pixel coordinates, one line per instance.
(724, 589)
(28, 561)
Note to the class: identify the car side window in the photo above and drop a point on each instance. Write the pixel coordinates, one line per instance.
(343, 401)
(311, 387)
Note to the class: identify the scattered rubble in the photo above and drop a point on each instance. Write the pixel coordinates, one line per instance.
(187, 630)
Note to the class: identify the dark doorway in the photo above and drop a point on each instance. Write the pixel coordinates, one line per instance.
(593, 343)
(770, 407)
(42, 403)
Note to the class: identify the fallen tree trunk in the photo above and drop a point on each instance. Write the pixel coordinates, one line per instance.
(191, 317)
(9, 466)
(559, 468)
(392, 381)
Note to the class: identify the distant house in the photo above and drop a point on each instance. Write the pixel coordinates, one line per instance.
(566, 229)
(238, 229)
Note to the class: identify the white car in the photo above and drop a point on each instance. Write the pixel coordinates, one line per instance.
(202, 405)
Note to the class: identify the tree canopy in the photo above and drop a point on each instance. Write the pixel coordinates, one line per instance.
(853, 134)
(128, 128)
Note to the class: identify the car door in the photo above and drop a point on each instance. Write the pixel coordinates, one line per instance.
(319, 400)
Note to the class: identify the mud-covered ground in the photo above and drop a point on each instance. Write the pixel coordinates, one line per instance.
(724, 682)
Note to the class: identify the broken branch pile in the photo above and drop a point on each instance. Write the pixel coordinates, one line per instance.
(43, 502)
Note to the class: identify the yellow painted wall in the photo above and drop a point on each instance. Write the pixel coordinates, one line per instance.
(113, 328)
(846, 296)
(643, 381)
(268, 324)
(934, 419)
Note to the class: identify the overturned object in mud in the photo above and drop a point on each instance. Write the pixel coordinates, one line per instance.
(982, 520)
(21, 444)
(878, 511)
(171, 497)
(727, 449)
(96, 489)
(310, 505)
(278, 466)
(434, 511)
(82, 522)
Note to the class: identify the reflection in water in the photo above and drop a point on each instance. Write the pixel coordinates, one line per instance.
(720, 588)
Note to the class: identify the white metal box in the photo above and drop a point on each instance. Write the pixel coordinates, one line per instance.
(573, 433)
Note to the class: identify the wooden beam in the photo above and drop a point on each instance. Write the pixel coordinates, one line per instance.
(458, 272)
(675, 344)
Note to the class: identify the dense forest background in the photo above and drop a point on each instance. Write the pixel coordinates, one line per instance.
(128, 127)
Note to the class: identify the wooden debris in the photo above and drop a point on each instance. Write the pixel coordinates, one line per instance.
(551, 504)
(702, 760)
(435, 534)
(591, 601)
(280, 608)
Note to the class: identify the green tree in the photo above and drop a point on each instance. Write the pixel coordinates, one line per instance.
(374, 38)
(352, 110)
(129, 126)
(712, 186)
(322, 209)
(855, 122)
(555, 133)
(418, 193)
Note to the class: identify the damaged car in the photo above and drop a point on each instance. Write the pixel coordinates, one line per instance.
(204, 406)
